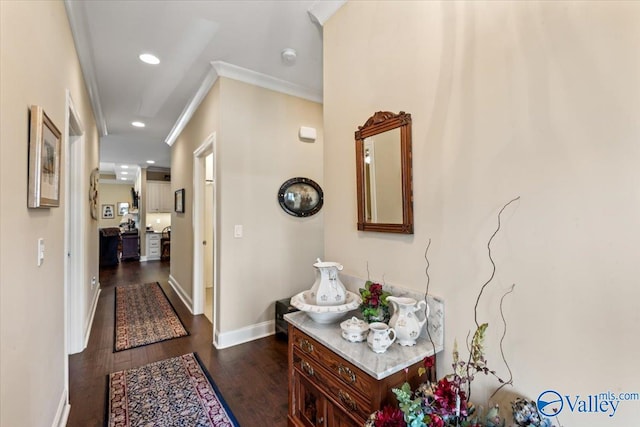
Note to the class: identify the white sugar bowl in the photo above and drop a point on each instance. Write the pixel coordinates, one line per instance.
(354, 329)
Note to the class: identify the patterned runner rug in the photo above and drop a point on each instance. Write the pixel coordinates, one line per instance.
(144, 316)
(172, 392)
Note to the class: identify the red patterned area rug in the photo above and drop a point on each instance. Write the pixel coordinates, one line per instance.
(144, 316)
(170, 393)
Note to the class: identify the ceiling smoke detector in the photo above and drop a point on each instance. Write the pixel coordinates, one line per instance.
(288, 56)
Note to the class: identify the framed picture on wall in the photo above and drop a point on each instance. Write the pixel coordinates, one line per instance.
(94, 181)
(108, 211)
(123, 208)
(44, 161)
(178, 201)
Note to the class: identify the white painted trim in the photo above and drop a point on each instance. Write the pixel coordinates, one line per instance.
(62, 414)
(224, 69)
(74, 236)
(87, 327)
(243, 335)
(82, 39)
(184, 297)
(192, 106)
(143, 258)
(322, 10)
(198, 211)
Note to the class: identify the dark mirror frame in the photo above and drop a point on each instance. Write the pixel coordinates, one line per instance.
(380, 122)
(288, 187)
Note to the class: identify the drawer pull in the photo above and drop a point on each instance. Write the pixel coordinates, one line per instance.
(347, 400)
(306, 346)
(347, 374)
(320, 421)
(306, 367)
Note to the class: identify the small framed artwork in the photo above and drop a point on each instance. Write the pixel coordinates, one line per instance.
(178, 201)
(44, 161)
(108, 211)
(123, 208)
(300, 197)
(94, 180)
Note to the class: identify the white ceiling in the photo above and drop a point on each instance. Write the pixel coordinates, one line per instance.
(187, 36)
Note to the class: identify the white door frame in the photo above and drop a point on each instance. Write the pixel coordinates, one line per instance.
(199, 169)
(74, 236)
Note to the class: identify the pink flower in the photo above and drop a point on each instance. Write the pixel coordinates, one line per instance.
(429, 362)
(446, 394)
(436, 421)
(390, 417)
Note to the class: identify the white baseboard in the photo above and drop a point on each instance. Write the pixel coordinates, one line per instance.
(62, 414)
(143, 258)
(243, 335)
(87, 326)
(186, 299)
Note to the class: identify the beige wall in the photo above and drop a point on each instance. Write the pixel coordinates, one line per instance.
(111, 194)
(257, 150)
(37, 64)
(533, 99)
(159, 221)
(205, 121)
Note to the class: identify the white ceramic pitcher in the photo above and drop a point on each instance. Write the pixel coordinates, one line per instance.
(328, 289)
(381, 336)
(404, 321)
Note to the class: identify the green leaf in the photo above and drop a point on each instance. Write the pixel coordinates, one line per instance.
(477, 344)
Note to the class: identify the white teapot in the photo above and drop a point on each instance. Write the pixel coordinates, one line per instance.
(404, 321)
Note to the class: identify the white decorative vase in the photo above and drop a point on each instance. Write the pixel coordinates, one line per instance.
(328, 289)
(404, 321)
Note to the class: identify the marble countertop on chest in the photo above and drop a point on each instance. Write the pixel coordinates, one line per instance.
(379, 366)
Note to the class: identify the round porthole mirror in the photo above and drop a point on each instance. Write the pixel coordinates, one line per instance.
(300, 197)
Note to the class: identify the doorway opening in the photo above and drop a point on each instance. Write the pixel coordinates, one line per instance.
(205, 274)
(74, 266)
(74, 235)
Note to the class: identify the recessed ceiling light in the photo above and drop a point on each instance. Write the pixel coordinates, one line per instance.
(124, 166)
(151, 161)
(138, 124)
(123, 179)
(124, 173)
(148, 58)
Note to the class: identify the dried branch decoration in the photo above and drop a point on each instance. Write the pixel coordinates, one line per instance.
(476, 362)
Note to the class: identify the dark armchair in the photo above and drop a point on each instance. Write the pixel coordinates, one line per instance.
(165, 244)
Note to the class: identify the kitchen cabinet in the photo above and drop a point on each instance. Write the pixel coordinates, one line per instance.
(159, 197)
(153, 246)
(327, 383)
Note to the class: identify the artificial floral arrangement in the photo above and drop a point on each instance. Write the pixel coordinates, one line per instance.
(374, 307)
(446, 403)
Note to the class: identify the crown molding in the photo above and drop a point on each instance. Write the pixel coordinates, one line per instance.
(322, 10)
(192, 106)
(82, 40)
(224, 69)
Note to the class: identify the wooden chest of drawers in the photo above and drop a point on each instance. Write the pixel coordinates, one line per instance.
(327, 390)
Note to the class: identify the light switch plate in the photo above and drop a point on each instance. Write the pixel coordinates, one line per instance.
(40, 251)
(237, 231)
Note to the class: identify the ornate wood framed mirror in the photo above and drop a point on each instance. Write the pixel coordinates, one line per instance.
(384, 174)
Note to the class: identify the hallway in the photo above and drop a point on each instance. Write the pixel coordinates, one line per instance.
(252, 377)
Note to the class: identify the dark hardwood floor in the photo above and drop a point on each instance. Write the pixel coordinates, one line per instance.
(251, 377)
